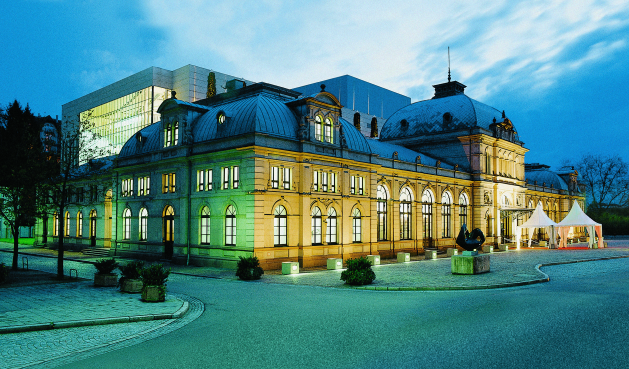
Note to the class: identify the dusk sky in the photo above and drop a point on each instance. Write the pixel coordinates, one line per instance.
(559, 69)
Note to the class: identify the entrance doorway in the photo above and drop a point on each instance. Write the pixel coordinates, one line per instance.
(168, 231)
(93, 228)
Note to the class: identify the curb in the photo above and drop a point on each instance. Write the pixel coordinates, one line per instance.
(90, 322)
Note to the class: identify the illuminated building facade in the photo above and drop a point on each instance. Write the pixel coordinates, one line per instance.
(263, 170)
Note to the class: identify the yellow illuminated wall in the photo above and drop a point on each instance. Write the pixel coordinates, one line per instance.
(116, 121)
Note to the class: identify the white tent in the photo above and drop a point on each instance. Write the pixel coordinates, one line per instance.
(538, 219)
(577, 218)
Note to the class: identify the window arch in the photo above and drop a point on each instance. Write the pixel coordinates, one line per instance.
(356, 226)
(66, 224)
(463, 204)
(446, 214)
(230, 226)
(406, 199)
(79, 224)
(205, 225)
(316, 226)
(126, 221)
(328, 130)
(169, 224)
(318, 128)
(382, 196)
(331, 229)
(144, 216)
(427, 200)
(279, 226)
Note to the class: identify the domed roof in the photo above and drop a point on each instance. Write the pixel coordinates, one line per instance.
(145, 140)
(544, 177)
(448, 113)
(353, 138)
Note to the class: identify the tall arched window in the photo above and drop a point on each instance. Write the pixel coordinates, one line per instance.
(126, 221)
(318, 128)
(168, 135)
(175, 133)
(330, 235)
(205, 226)
(279, 226)
(328, 130)
(463, 203)
(144, 217)
(427, 200)
(66, 231)
(230, 226)
(93, 226)
(446, 214)
(356, 226)
(381, 208)
(316, 226)
(55, 223)
(405, 213)
(79, 224)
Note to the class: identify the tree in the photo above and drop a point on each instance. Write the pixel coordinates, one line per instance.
(23, 167)
(77, 158)
(606, 178)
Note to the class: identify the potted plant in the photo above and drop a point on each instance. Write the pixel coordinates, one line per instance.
(154, 283)
(105, 277)
(130, 281)
(358, 272)
(249, 268)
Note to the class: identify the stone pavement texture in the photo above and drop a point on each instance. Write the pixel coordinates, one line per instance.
(44, 307)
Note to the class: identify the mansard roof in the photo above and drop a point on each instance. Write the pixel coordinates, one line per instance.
(540, 174)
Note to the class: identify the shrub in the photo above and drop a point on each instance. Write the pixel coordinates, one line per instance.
(131, 270)
(155, 275)
(249, 268)
(106, 266)
(4, 273)
(358, 272)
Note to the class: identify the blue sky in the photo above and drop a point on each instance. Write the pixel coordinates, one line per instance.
(558, 68)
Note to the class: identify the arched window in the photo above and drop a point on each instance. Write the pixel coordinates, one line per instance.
(330, 235)
(175, 133)
(79, 224)
(169, 225)
(446, 214)
(427, 200)
(381, 208)
(328, 130)
(405, 213)
(356, 226)
(168, 135)
(205, 226)
(318, 128)
(66, 231)
(463, 203)
(126, 221)
(279, 226)
(55, 222)
(316, 226)
(144, 217)
(230, 226)
(487, 161)
(93, 225)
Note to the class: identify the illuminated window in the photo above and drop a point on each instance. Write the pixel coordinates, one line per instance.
(315, 180)
(66, 231)
(127, 187)
(405, 213)
(204, 180)
(427, 199)
(55, 222)
(144, 186)
(286, 178)
(275, 177)
(126, 221)
(168, 182)
(221, 118)
(463, 203)
(225, 178)
(168, 135)
(356, 226)
(381, 209)
(205, 225)
(324, 181)
(318, 128)
(330, 235)
(361, 185)
(175, 133)
(144, 217)
(328, 130)
(332, 182)
(235, 177)
(446, 208)
(316, 226)
(79, 224)
(352, 185)
(230, 226)
(356, 185)
(279, 226)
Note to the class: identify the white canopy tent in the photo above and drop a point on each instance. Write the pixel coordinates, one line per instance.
(577, 218)
(538, 219)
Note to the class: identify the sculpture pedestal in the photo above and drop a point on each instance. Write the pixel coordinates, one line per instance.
(470, 263)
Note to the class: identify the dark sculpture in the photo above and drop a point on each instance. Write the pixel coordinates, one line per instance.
(470, 241)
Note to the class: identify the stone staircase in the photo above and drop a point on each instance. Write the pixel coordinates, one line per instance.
(96, 252)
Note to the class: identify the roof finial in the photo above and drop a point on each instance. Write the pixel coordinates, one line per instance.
(448, 63)
(322, 87)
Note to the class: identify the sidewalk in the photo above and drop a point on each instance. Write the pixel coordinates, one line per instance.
(49, 306)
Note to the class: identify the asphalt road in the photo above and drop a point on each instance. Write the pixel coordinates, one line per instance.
(577, 320)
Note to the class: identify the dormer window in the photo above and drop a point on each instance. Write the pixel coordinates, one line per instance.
(328, 130)
(318, 128)
(171, 134)
(168, 134)
(221, 118)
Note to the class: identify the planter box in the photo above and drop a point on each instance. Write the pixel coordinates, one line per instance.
(334, 264)
(374, 259)
(154, 294)
(105, 280)
(131, 286)
(488, 249)
(403, 257)
(430, 254)
(452, 251)
(470, 264)
(290, 267)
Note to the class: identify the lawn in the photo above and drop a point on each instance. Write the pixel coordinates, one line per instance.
(22, 241)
